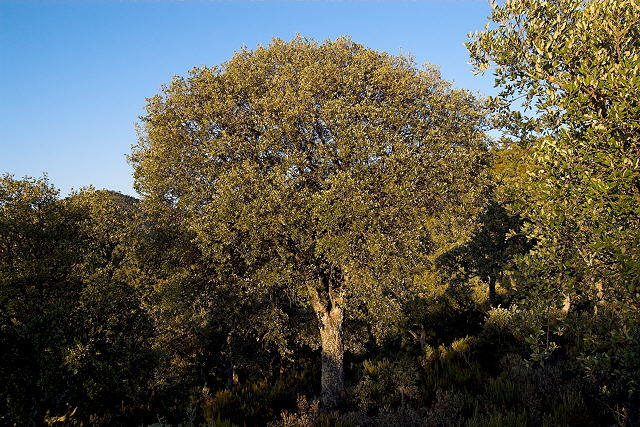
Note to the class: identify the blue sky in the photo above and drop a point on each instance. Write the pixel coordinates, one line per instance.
(74, 75)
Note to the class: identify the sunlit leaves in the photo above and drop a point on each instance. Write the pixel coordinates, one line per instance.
(575, 65)
(302, 158)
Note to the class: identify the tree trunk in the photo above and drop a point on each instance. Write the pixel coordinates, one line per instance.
(566, 303)
(333, 393)
(232, 376)
(330, 315)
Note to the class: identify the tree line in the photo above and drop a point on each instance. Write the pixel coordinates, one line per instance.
(326, 235)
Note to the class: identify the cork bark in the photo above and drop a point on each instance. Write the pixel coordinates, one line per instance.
(333, 393)
(331, 316)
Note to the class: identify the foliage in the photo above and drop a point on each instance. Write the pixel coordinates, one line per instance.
(68, 307)
(575, 64)
(489, 251)
(386, 384)
(312, 172)
(293, 158)
(111, 328)
(39, 246)
(308, 186)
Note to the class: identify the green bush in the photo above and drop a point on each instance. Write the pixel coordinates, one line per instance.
(386, 384)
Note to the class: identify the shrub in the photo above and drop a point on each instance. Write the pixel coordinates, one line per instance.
(386, 384)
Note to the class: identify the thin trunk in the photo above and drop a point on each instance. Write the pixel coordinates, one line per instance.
(421, 337)
(232, 376)
(599, 297)
(566, 303)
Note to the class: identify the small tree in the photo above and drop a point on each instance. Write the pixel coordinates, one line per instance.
(111, 328)
(314, 172)
(39, 246)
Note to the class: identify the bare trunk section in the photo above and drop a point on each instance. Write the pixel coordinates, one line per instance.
(599, 297)
(566, 303)
(333, 393)
(232, 375)
(331, 316)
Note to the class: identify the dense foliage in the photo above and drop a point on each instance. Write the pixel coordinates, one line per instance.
(314, 172)
(327, 237)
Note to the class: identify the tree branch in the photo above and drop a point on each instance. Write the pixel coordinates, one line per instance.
(316, 304)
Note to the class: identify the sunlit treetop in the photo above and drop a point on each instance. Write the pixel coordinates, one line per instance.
(306, 162)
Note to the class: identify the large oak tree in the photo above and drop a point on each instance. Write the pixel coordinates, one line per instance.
(315, 172)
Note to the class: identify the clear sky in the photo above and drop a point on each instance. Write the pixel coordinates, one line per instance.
(74, 75)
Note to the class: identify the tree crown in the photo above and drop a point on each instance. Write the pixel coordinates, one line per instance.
(328, 157)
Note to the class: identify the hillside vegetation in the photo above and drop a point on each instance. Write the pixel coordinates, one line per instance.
(326, 235)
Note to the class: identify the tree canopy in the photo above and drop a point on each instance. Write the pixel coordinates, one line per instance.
(314, 170)
(575, 67)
